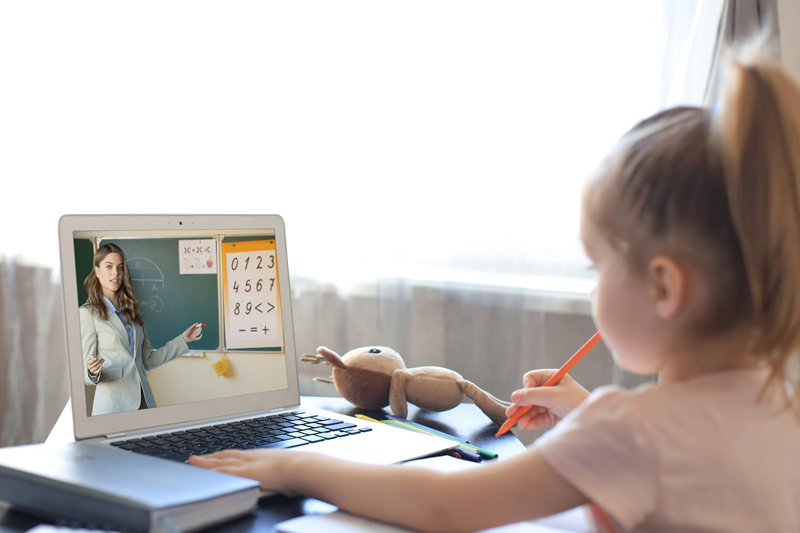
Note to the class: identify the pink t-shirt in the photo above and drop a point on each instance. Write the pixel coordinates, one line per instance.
(701, 455)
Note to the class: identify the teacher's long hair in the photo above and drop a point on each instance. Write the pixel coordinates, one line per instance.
(127, 300)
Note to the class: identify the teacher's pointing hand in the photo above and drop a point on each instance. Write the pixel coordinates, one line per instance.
(195, 332)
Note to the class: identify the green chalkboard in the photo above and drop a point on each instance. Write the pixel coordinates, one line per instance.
(84, 253)
(170, 302)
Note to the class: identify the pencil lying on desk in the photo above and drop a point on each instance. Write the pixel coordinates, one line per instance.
(554, 379)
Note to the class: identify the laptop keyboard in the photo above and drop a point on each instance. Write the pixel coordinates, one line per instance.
(285, 430)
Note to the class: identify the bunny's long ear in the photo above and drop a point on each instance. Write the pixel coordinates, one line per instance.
(331, 357)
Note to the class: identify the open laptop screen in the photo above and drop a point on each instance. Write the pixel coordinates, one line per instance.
(137, 288)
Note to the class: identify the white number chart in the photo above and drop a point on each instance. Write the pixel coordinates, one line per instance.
(252, 300)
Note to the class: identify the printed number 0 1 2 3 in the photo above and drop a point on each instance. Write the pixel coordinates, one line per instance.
(258, 260)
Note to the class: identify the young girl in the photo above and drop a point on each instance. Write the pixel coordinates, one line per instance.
(693, 225)
(116, 349)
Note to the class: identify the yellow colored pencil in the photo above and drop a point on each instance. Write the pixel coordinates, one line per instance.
(365, 417)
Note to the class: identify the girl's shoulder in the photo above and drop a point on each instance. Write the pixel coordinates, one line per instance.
(727, 388)
(615, 397)
(732, 398)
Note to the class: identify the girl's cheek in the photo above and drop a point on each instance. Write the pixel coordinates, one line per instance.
(595, 313)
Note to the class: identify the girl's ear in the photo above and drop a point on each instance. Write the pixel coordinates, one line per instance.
(669, 284)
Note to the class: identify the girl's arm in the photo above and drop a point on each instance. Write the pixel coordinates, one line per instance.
(520, 488)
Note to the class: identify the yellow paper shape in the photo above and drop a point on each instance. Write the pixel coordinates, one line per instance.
(220, 367)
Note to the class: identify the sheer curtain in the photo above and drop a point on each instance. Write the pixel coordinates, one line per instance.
(427, 158)
(32, 360)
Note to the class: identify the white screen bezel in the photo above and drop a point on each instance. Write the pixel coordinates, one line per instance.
(88, 426)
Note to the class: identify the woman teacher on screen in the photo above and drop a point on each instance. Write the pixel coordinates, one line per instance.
(116, 350)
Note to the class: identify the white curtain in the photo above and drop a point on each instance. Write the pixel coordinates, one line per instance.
(699, 32)
(33, 363)
(742, 20)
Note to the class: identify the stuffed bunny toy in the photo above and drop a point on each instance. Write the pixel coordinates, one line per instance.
(373, 377)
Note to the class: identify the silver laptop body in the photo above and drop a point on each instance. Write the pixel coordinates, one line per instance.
(230, 273)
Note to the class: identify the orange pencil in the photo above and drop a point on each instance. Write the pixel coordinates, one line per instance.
(554, 379)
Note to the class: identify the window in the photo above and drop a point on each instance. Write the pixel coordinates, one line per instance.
(426, 139)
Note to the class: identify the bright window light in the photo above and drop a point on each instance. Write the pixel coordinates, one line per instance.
(396, 138)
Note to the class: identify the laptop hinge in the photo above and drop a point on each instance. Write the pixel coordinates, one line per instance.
(115, 435)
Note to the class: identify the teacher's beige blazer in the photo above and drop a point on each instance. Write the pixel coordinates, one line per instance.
(123, 378)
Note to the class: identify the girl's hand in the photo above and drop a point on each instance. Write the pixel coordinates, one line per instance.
(550, 404)
(94, 365)
(195, 332)
(265, 466)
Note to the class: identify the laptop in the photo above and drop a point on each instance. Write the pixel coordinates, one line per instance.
(235, 385)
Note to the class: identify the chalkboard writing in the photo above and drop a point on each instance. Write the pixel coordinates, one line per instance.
(198, 256)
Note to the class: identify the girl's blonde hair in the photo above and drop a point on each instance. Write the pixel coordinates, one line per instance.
(127, 300)
(720, 188)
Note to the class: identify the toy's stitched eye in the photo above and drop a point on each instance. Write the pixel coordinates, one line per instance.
(374, 350)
